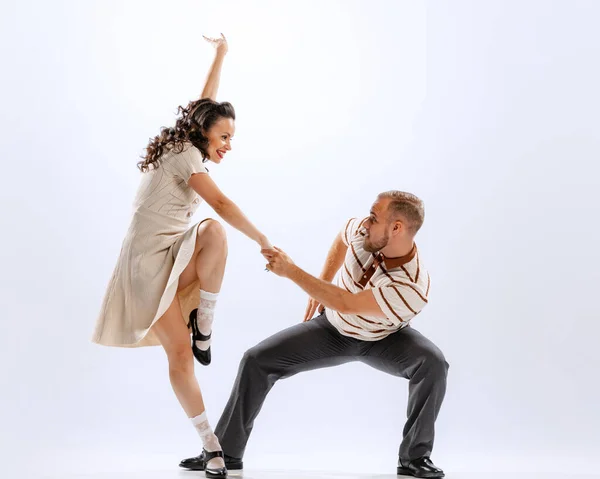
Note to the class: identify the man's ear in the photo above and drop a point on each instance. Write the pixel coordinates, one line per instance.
(398, 227)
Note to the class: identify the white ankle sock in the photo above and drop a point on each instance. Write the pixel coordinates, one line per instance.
(209, 440)
(204, 319)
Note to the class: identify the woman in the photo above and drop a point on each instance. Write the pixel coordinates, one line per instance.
(169, 270)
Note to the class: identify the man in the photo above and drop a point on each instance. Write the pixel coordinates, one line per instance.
(382, 285)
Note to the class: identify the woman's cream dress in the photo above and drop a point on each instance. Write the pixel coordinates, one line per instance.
(158, 246)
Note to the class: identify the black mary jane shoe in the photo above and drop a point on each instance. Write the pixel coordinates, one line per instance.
(203, 357)
(198, 463)
(220, 473)
(422, 467)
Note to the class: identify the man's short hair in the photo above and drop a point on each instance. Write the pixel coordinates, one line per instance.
(406, 206)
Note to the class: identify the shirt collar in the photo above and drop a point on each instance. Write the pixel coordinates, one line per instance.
(391, 263)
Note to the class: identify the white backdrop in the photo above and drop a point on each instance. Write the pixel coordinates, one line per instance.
(486, 110)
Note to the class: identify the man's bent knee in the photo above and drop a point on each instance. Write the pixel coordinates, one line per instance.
(257, 356)
(436, 363)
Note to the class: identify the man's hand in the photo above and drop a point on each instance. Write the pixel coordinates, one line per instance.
(279, 262)
(313, 305)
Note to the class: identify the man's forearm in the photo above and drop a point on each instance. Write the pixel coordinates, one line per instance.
(324, 292)
(334, 260)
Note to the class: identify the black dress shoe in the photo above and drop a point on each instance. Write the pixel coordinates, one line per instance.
(198, 463)
(422, 467)
(203, 357)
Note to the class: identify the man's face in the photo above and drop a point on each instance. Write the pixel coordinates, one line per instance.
(377, 227)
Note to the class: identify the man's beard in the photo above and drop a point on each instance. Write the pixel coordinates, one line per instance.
(375, 247)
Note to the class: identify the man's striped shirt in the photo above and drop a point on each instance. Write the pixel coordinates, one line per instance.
(400, 286)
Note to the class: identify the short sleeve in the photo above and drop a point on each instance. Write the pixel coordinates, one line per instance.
(352, 228)
(188, 163)
(401, 302)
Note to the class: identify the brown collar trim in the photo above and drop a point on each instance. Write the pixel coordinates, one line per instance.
(391, 263)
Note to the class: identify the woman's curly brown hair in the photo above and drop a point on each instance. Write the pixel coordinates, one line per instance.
(196, 117)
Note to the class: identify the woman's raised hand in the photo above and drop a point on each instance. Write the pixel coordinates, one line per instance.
(220, 44)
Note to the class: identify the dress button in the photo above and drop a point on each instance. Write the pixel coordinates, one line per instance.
(196, 201)
(189, 214)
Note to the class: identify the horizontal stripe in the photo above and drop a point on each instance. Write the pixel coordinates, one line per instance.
(358, 327)
(368, 320)
(342, 318)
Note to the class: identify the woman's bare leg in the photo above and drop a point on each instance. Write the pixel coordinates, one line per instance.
(209, 258)
(174, 336)
(208, 265)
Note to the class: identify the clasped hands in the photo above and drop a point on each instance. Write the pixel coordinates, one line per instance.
(282, 265)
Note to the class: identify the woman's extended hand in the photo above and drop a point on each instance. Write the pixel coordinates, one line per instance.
(220, 44)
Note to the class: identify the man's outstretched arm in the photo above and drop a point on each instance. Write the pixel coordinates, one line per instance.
(325, 293)
(333, 263)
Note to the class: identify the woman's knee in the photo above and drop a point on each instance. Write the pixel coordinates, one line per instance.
(212, 229)
(211, 235)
